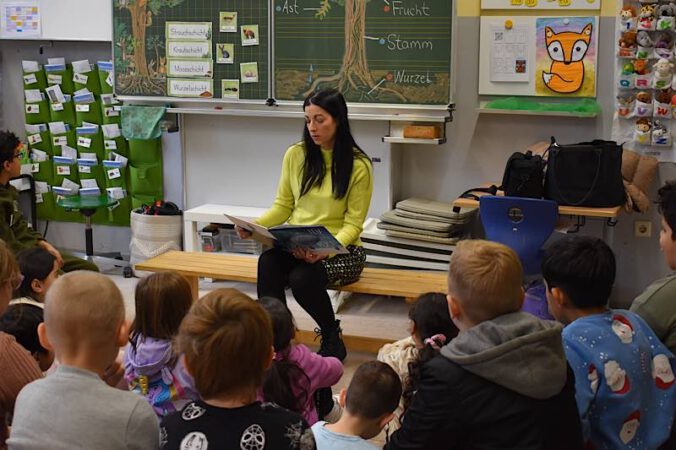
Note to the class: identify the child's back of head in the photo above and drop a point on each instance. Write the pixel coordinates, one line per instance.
(152, 367)
(582, 268)
(485, 278)
(372, 395)
(162, 300)
(84, 316)
(284, 374)
(39, 269)
(22, 321)
(227, 340)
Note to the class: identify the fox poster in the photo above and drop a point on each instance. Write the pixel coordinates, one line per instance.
(566, 56)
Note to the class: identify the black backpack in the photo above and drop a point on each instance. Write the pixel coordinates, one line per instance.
(524, 175)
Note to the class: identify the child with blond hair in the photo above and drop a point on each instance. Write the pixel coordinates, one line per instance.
(73, 407)
(226, 339)
(503, 381)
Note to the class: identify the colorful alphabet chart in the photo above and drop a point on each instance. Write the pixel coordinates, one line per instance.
(20, 20)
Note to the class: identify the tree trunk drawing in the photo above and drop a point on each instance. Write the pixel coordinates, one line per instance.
(354, 75)
(139, 19)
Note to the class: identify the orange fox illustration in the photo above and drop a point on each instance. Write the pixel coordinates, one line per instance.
(567, 50)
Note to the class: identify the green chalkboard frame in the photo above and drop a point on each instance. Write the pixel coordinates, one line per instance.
(141, 70)
(382, 94)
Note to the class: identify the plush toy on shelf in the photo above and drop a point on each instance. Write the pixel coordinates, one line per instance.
(663, 74)
(627, 45)
(628, 17)
(663, 45)
(665, 16)
(646, 17)
(642, 131)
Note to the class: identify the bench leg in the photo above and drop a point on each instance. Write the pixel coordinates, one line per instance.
(410, 300)
(194, 286)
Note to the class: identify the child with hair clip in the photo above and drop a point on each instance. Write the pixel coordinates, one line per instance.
(431, 328)
(151, 365)
(296, 371)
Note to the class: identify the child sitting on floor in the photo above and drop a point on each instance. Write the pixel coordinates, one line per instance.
(22, 321)
(152, 368)
(39, 269)
(369, 403)
(227, 342)
(431, 328)
(73, 408)
(624, 379)
(296, 371)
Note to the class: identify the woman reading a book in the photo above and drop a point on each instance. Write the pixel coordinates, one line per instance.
(326, 180)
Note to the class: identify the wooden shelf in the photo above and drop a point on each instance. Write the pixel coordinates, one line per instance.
(403, 140)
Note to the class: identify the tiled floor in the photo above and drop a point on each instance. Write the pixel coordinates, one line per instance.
(360, 315)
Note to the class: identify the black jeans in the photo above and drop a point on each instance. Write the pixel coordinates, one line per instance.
(278, 269)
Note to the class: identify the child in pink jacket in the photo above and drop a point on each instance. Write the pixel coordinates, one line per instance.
(296, 371)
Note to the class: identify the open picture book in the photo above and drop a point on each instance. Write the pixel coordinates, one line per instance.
(288, 237)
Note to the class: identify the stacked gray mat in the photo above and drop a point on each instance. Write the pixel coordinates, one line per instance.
(426, 220)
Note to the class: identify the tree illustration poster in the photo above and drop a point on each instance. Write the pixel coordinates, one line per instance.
(374, 51)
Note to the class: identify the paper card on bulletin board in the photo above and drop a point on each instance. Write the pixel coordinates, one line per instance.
(541, 4)
(560, 60)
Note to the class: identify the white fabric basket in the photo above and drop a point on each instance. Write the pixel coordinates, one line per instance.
(153, 235)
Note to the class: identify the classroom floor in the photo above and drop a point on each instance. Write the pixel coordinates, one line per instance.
(361, 315)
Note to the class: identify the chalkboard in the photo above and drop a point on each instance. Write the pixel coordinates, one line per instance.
(374, 51)
(146, 32)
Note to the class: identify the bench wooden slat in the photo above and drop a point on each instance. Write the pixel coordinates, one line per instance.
(393, 282)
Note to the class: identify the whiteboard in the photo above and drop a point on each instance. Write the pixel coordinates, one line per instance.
(74, 20)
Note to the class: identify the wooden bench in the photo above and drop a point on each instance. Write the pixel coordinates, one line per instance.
(408, 284)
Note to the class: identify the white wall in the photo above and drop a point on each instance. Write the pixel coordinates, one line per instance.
(237, 160)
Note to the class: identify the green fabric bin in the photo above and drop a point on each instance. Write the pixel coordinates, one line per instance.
(115, 216)
(93, 83)
(87, 172)
(106, 88)
(45, 206)
(109, 114)
(65, 170)
(57, 141)
(145, 151)
(63, 112)
(91, 143)
(137, 200)
(64, 78)
(40, 141)
(113, 178)
(44, 172)
(88, 112)
(35, 80)
(145, 178)
(37, 112)
(117, 145)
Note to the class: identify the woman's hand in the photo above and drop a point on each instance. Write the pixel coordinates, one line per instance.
(242, 233)
(307, 255)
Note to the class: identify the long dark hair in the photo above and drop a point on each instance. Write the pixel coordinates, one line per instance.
(35, 264)
(345, 149)
(431, 318)
(283, 373)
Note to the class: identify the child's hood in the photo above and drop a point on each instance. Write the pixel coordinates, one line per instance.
(149, 356)
(517, 351)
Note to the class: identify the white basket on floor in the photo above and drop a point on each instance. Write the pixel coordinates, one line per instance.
(153, 235)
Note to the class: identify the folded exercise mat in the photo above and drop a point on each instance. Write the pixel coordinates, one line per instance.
(142, 122)
(417, 224)
(413, 231)
(429, 217)
(435, 208)
(420, 237)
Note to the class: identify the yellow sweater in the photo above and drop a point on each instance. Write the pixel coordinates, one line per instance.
(344, 217)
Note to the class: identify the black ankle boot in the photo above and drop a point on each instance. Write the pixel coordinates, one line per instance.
(331, 343)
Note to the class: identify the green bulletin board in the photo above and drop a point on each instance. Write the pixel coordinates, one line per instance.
(140, 46)
(394, 51)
